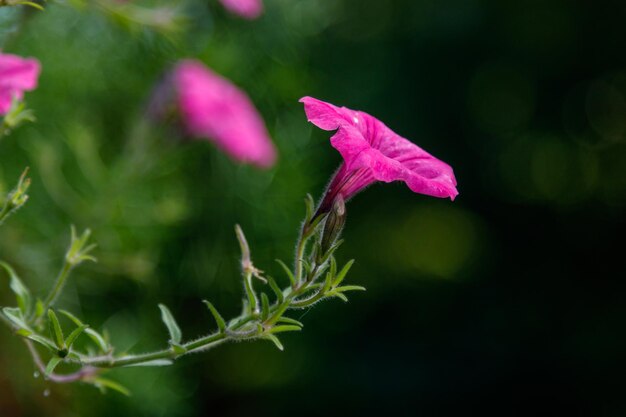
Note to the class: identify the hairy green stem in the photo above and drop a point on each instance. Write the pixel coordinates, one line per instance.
(5, 212)
(305, 233)
(58, 285)
(249, 326)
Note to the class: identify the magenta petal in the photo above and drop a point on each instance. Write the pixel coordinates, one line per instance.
(373, 152)
(248, 9)
(17, 75)
(212, 107)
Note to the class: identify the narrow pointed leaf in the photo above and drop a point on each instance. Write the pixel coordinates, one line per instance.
(170, 323)
(310, 208)
(221, 324)
(307, 266)
(104, 383)
(55, 329)
(339, 295)
(350, 288)
(265, 306)
(74, 335)
(72, 317)
(333, 267)
(287, 271)
(328, 282)
(342, 274)
(98, 339)
(331, 250)
(14, 314)
(279, 294)
(43, 341)
(52, 364)
(274, 340)
(21, 292)
(289, 320)
(285, 328)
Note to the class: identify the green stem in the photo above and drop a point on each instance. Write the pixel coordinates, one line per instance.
(58, 285)
(252, 300)
(248, 326)
(300, 248)
(5, 212)
(193, 346)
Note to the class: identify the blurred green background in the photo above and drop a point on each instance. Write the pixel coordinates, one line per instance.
(507, 301)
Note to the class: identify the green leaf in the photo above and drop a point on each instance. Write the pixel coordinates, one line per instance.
(103, 384)
(43, 341)
(17, 197)
(78, 251)
(21, 292)
(31, 4)
(339, 295)
(14, 314)
(98, 340)
(52, 364)
(342, 274)
(285, 328)
(221, 325)
(72, 317)
(310, 208)
(288, 320)
(96, 337)
(331, 250)
(328, 282)
(287, 271)
(279, 294)
(156, 362)
(74, 335)
(55, 330)
(333, 266)
(274, 340)
(170, 323)
(307, 267)
(265, 306)
(350, 288)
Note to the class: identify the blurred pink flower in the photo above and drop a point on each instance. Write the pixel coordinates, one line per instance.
(212, 107)
(248, 9)
(17, 75)
(373, 152)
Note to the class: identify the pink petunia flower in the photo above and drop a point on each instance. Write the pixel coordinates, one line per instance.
(248, 9)
(210, 106)
(373, 152)
(17, 75)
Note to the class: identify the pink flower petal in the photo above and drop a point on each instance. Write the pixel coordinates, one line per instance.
(248, 9)
(17, 75)
(212, 107)
(373, 152)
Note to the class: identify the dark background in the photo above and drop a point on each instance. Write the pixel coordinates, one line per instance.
(507, 301)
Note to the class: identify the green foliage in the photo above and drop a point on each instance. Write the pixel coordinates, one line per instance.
(22, 294)
(172, 327)
(16, 198)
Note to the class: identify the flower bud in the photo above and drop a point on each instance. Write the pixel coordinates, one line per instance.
(334, 223)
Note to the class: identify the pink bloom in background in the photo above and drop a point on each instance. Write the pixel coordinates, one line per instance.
(17, 75)
(373, 152)
(248, 9)
(212, 107)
